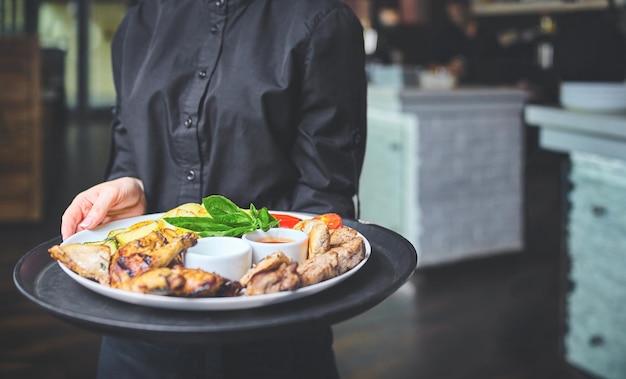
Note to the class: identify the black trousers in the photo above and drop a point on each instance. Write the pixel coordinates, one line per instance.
(304, 356)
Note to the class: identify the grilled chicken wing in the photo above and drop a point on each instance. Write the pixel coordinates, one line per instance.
(157, 281)
(181, 281)
(89, 261)
(149, 252)
(199, 283)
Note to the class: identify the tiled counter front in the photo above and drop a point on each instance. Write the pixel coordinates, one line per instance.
(444, 169)
(595, 338)
(596, 306)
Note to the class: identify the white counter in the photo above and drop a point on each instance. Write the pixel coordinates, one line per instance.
(595, 340)
(565, 130)
(444, 169)
(410, 99)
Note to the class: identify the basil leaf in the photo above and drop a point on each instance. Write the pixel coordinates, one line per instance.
(197, 224)
(254, 216)
(225, 219)
(234, 219)
(225, 211)
(217, 205)
(231, 232)
(267, 221)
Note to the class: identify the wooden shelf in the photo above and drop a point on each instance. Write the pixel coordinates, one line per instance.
(527, 7)
(20, 129)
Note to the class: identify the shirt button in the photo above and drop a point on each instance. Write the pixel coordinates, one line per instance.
(219, 3)
(191, 175)
(188, 122)
(215, 29)
(202, 74)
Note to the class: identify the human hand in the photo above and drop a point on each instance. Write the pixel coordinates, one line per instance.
(102, 203)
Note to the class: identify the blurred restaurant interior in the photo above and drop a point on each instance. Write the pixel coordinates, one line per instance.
(496, 146)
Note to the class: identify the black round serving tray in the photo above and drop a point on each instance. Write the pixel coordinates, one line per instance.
(392, 262)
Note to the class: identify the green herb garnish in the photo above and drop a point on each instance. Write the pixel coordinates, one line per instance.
(225, 219)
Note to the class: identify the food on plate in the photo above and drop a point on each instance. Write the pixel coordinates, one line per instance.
(332, 220)
(143, 254)
(151, 264)
(319, 236)
(135, 231)
(278, 273)
(286, 221)
(90, 261)
(181, 281)
(183, 210)
(321, 267)
(341, 235)
(118, 237)
(269, 263)
(225, 218)
(146, 257)
(187, 209)
(334, 262)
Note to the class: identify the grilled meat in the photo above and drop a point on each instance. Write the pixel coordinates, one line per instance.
(337, 251)
(319, 236)
(89, 261)
(281, 278)
(199, 283)
(157, 281)
(332, 263)
(146, 253)
(269, 263)
(181, 281)
(319, 268)
(274, 273)
(349, 254)
(153, 264)
(342, 235)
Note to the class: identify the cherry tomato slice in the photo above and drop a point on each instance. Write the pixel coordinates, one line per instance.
(286, 221)
(332, 220)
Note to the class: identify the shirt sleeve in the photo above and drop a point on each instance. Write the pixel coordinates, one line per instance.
(330, 145)
(121, 161)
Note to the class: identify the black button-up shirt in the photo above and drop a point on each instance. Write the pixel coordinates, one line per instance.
(261, 101)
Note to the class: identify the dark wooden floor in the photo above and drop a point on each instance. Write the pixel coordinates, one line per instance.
(494, 318)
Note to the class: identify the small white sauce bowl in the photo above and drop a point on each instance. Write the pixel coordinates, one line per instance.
(296, 247)
(229, 257)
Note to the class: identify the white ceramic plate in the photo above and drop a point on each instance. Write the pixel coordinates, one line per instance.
(195, 304)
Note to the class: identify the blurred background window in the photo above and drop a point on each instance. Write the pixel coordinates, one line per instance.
(82, 32)
(12, 16)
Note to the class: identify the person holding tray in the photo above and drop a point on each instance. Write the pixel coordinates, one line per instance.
(261, 101)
